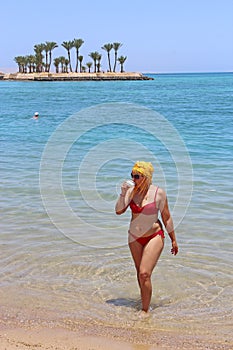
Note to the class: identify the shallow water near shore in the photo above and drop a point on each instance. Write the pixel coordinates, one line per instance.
(64, 254)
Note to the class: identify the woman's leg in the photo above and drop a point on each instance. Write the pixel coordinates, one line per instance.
(150, 255)
(136, 252)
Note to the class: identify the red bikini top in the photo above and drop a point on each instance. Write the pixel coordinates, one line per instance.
(148, 209)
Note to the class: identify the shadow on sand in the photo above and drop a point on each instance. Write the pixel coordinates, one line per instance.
(136, 304)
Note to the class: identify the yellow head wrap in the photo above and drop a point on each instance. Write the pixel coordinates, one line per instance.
(144, 168)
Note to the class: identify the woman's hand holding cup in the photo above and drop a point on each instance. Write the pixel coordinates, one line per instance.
(125, 186)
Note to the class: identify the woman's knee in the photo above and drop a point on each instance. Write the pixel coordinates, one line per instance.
(144, 275)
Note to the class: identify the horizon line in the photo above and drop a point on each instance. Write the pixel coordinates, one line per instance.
(13, 71)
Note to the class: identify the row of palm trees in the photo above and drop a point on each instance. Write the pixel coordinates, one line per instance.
(40, 62)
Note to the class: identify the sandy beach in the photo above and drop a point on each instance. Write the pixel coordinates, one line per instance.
(103, 338)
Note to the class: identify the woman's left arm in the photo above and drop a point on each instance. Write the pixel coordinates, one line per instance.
(168, 222)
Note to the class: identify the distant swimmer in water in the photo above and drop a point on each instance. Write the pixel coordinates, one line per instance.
(36, 115)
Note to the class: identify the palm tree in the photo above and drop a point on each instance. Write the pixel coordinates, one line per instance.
(62, 61)
(77, 44)
(59, 61)
(46, 49)
(56, 63)
(39, 57)
(98, 62)
(66, 63)
(24, 63)
(20, 62)
(50, 45)
(108, 48)
(121, 60)
(94, 55)
(116, 47)
(31, 60)
(89, 64)
(68, 45)
(80, 58)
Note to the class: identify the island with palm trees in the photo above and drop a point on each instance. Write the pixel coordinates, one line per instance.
(39, 66)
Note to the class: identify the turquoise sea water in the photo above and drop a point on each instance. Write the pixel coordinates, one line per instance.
(64, 256)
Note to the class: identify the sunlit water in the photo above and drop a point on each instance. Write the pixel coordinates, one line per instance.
(64, 255)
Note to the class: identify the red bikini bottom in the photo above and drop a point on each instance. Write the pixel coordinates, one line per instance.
(145, 239)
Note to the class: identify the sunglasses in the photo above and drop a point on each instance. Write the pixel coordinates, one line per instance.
(136, 176)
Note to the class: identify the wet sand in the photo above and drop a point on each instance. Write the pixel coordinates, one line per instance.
(103, 338)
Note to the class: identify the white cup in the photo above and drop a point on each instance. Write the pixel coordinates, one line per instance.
(130, 183)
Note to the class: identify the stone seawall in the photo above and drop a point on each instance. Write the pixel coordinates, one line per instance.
(75, 76)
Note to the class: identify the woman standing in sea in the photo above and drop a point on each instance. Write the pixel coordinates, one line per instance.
(146, 235)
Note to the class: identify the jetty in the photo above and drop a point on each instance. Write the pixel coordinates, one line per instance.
(105, 76)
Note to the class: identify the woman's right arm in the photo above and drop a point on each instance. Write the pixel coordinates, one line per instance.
(123, 199)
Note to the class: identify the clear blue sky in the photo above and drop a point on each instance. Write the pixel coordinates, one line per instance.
(157, 35)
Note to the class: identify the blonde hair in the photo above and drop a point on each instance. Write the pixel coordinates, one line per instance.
(146, 169)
